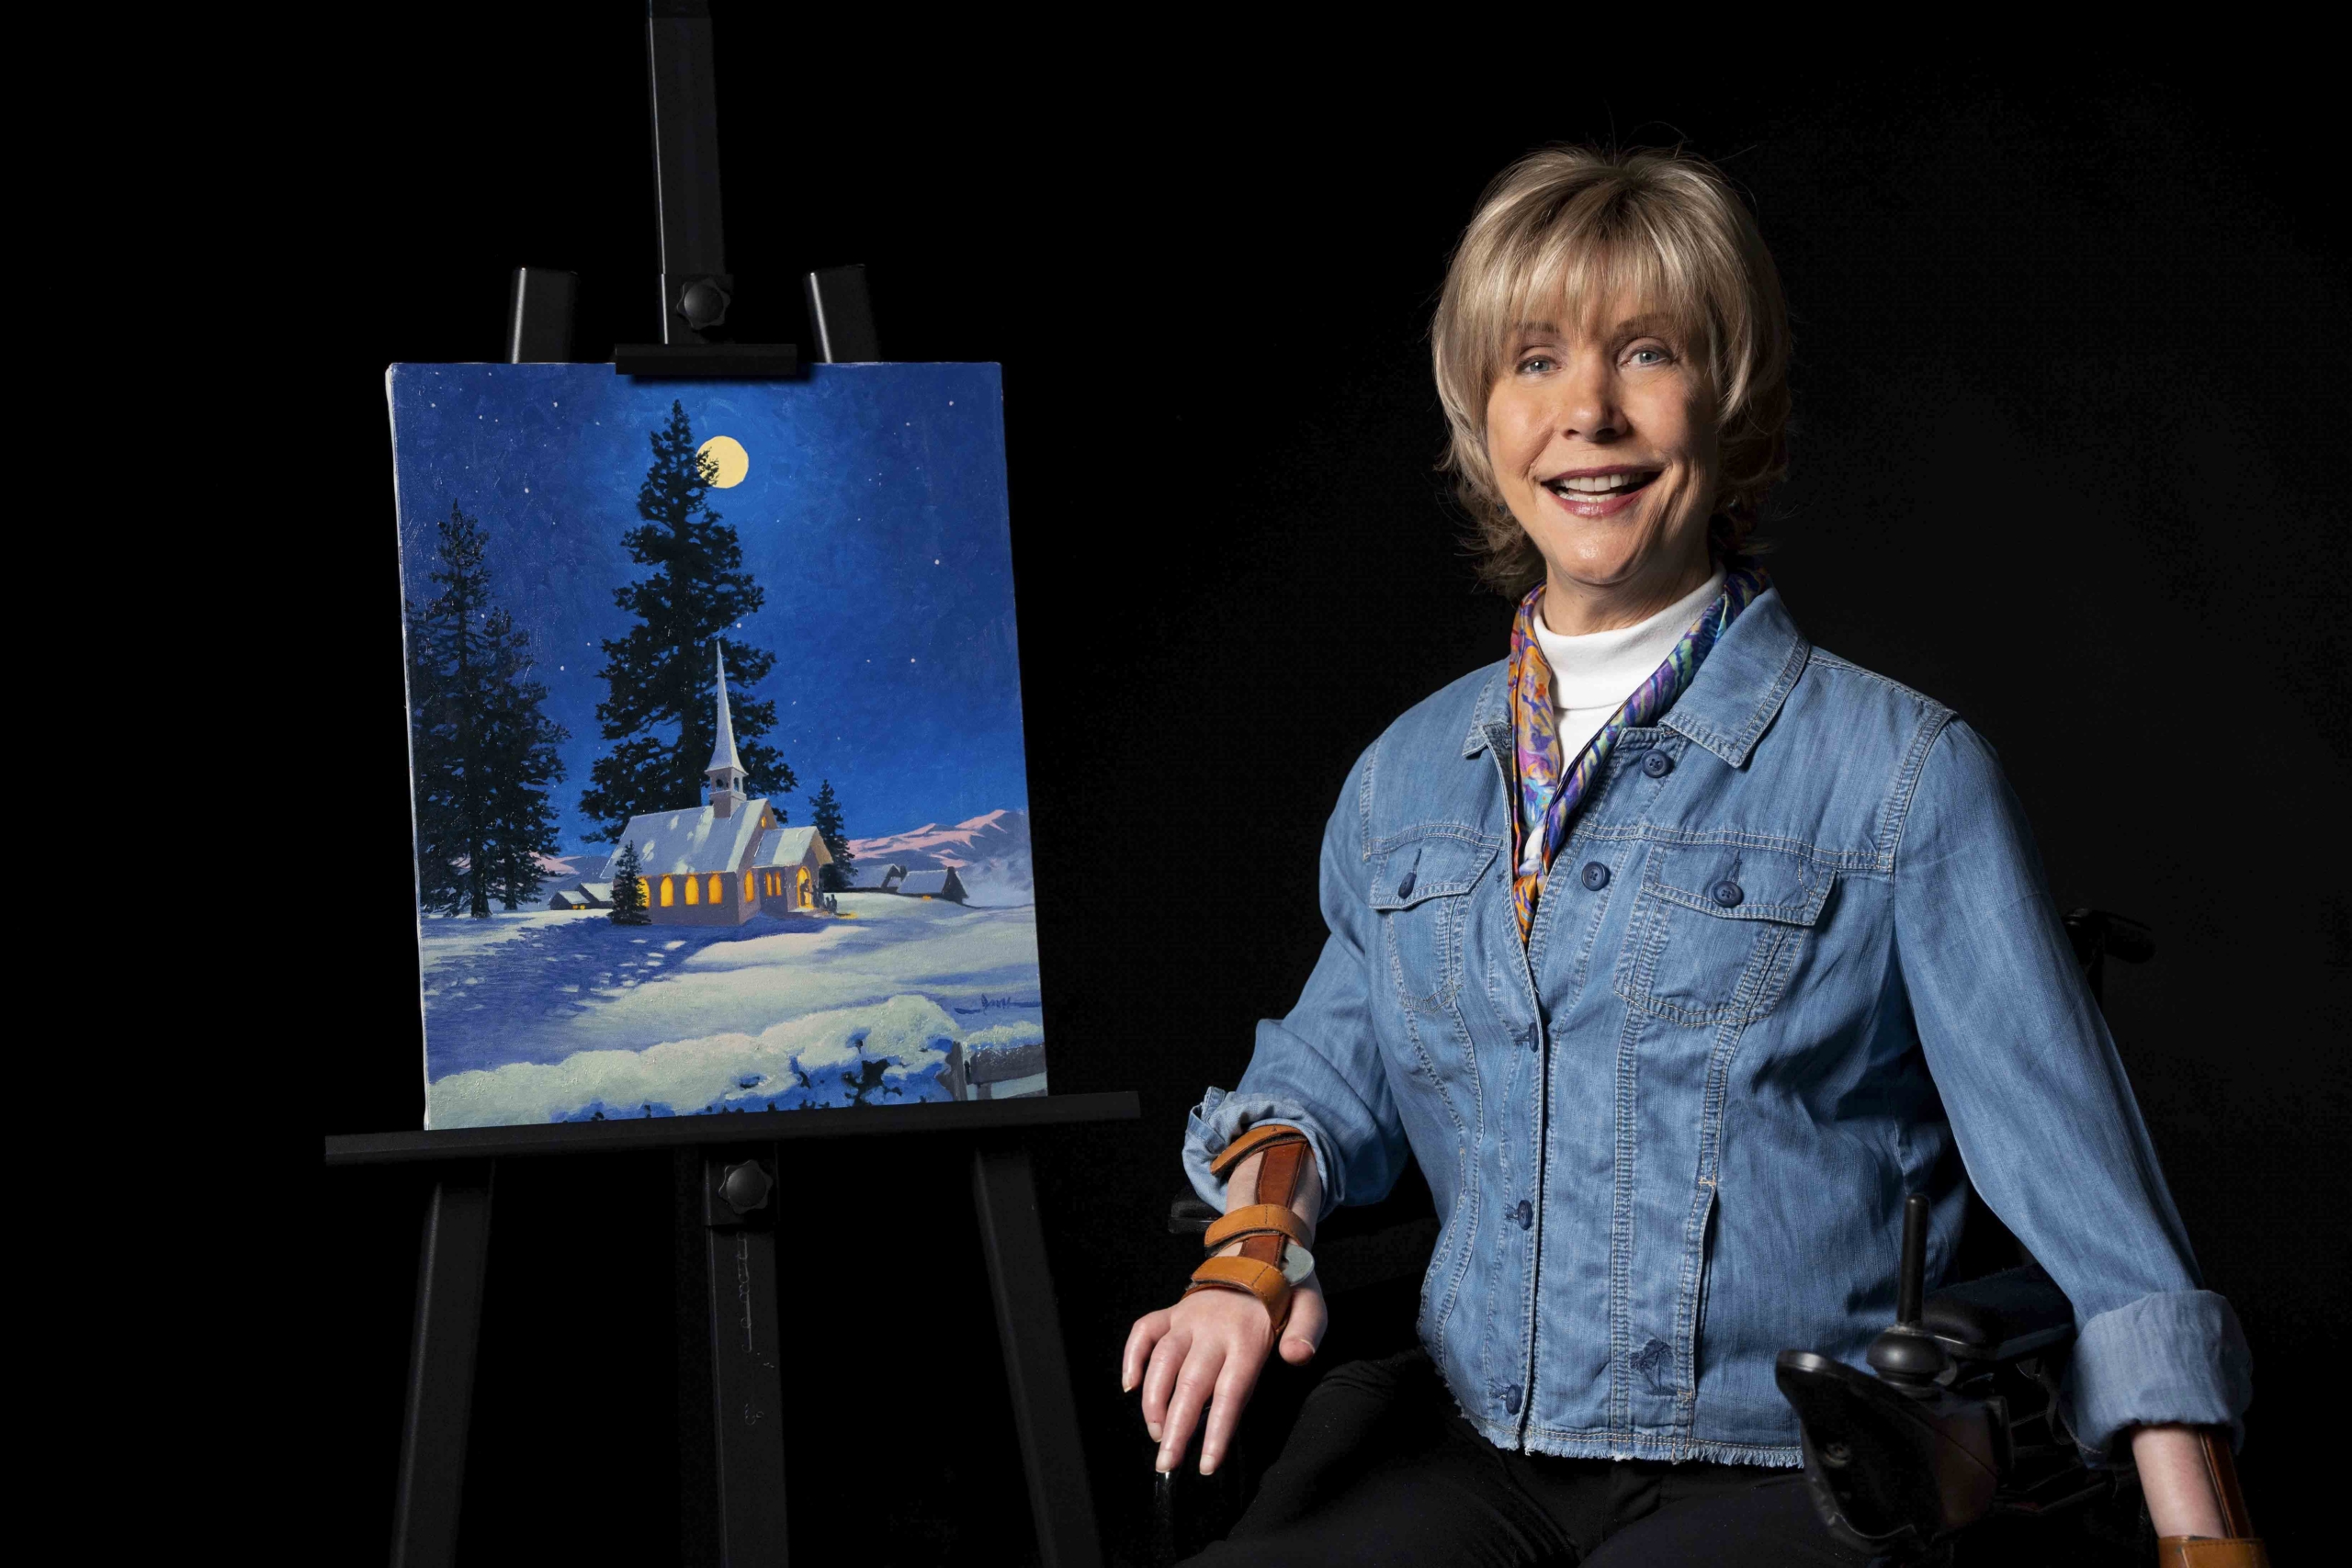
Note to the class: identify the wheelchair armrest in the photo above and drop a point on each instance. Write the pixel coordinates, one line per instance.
(1189, 1216)
(2001, 1317)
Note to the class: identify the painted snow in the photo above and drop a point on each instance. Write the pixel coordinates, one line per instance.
(872, 597)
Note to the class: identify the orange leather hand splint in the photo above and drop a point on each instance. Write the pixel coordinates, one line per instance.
(1256, 1218)
(2241, 1547)
(1262, 1280)
(1250, 1143)
(1265, 1228)
(2198, 1551)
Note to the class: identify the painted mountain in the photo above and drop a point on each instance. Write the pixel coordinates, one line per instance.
(989, 852)
(680, 656)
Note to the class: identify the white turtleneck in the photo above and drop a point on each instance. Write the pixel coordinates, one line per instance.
(1593, 674)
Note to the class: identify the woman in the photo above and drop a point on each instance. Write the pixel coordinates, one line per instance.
(1677, 951)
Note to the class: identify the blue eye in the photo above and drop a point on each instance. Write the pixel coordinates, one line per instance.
(1534, 361)
(1661, 354)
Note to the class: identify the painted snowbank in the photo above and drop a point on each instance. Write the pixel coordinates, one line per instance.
(555, 1016)
(893, 1053)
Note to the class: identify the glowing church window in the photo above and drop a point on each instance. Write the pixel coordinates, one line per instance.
(747, 887)
(718, 893)
(694, 891)
(667, 893)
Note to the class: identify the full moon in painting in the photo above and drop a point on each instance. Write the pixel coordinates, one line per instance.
(733, 461)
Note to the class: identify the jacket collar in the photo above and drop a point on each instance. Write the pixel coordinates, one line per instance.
(1728, 705)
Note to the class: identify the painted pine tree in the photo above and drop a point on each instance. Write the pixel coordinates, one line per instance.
(483, 755)
(522, 747)
(660, 677)
(629, 890)
(826, 814)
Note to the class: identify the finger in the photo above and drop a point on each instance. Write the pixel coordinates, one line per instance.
(1193, 1385)
(1159, 1378)
(1309, 1317)
(1234, 1386)
(1150, 1329)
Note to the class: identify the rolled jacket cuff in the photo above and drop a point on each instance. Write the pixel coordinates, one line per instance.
(1220, 1118)
(2171, 1356)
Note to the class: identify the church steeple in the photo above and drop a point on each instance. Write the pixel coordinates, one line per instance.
(725, 769)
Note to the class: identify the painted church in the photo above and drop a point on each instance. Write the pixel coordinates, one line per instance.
(721, 862)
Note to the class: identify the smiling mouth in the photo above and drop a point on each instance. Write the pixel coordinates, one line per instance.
(1600, 487)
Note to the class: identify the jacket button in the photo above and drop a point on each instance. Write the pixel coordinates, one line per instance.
(1596, 875)
(1511, 1399)
(1405, 889)
(1657, 764)
(1728, 893)
(1524, 1213)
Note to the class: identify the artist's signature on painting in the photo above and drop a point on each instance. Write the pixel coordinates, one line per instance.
(987, 1001)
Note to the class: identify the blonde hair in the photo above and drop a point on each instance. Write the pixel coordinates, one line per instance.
(1580, 223)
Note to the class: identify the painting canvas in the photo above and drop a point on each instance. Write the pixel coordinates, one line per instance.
(715, 742)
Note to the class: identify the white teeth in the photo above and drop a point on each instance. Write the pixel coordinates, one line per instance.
(1596, 484)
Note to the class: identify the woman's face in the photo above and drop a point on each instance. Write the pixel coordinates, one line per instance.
(1604, 448)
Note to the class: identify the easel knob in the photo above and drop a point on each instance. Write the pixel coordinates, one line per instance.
(746, 1187)
(703, 302)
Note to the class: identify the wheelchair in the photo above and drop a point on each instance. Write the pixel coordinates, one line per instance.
(1949, 1452)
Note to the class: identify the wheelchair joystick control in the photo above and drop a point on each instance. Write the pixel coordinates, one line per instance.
(1906, 1355)
(1962, 1421)
(1898, 1461)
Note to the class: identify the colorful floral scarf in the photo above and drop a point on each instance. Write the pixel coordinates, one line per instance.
(1546, 799)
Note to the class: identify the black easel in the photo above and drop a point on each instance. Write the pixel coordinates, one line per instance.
(731, 1165)
(727, 1166)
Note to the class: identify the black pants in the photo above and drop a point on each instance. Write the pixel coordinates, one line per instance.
(1382, 1470)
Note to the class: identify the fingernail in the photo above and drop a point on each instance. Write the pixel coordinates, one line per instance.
(1153, 1428)
(1208, 1466)
(1163, 1464)
(1126, 1385)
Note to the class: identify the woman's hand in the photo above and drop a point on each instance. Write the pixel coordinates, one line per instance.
(1208, 1348)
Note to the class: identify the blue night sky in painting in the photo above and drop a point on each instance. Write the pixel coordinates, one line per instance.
(872, 514)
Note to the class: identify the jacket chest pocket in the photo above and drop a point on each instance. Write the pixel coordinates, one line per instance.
(1421, 891)
(1717, 930)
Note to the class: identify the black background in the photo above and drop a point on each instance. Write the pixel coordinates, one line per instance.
(2071, 347)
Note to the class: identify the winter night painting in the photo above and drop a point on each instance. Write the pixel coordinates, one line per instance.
(715, 742)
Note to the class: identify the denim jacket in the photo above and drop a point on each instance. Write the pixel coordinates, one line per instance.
(1795, 961)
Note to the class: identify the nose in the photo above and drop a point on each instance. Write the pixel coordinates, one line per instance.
(1589, 409)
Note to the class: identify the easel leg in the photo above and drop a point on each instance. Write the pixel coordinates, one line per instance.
(1004, 1190)
(451, 1264)
(747, 1380)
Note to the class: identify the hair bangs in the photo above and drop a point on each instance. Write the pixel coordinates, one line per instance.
(1590, 272)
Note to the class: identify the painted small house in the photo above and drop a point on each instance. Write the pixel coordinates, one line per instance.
(941, 884)
(876, 877)
(721, 862)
